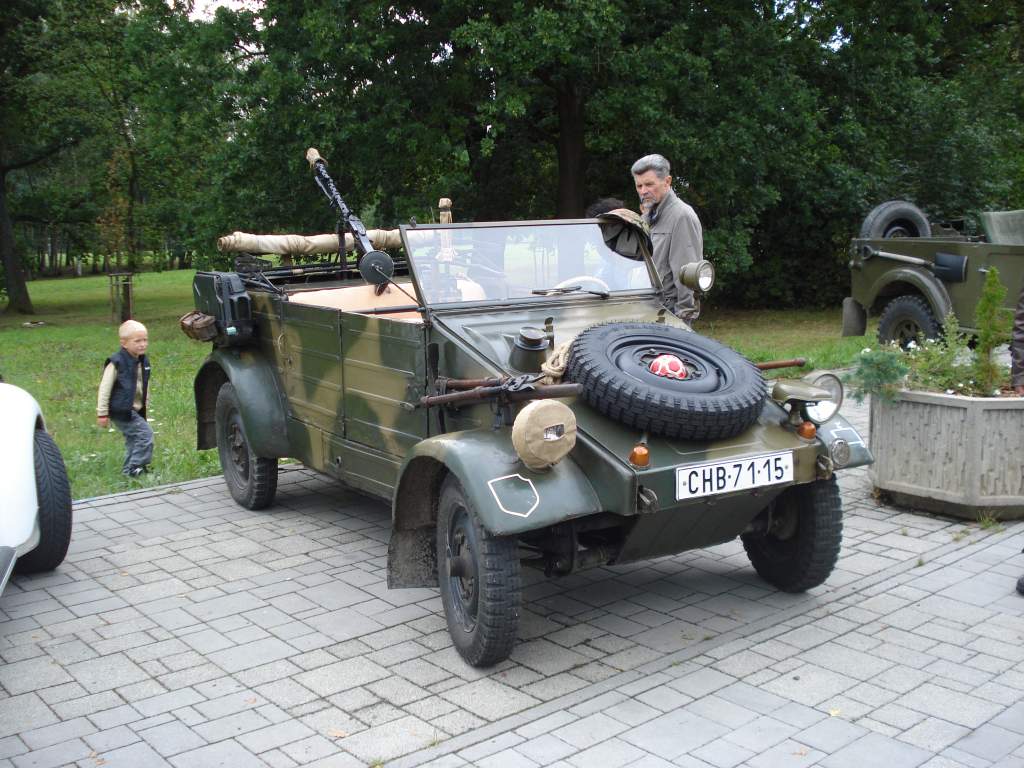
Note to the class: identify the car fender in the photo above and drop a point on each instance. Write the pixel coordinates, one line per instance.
(933, 290)
(509, 497)
(17, 467)
(260, 399)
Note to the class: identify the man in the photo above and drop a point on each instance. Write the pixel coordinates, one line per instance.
(675, 231)
(1017, 368)
(1017, 348)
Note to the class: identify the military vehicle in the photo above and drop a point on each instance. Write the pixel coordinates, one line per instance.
(519, 395)
(912, 278)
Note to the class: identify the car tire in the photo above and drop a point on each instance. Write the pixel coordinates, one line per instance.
(479, 579)
(801, 546)
(722, 397)
(53, 492)
(895, 218)
(904, 318)
(251, 479)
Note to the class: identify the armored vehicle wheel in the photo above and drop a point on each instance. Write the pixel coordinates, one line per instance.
(54, 496)
(904, 318)
(251, 479)
(718, 394)
(895, 218)
(479, 578)
(801, 545)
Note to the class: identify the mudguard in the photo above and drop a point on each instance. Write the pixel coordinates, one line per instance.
(839, 428)
(934, 292)
(17, 468)
(509, 497)
(260, 398)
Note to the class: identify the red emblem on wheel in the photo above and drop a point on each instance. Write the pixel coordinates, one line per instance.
(669, 366)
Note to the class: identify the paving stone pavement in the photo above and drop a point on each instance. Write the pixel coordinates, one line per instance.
(185, 631)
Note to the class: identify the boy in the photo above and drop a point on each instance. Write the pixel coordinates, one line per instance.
(122, 396)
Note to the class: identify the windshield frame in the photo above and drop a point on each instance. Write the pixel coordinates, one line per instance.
(518, 301)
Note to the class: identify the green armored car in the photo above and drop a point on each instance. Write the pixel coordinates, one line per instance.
(519, 395)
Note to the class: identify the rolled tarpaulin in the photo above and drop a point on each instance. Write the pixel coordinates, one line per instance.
(244, 242)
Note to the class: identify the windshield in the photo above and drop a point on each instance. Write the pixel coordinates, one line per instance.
(516, 261)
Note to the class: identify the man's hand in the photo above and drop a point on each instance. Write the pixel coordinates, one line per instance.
(103, 421)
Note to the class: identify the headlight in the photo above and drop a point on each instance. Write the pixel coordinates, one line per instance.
(543, 433)
(698, 276)
(823, 410)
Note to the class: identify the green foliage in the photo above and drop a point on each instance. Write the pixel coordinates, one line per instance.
(993, 324)
(785, 123)
(878, 372)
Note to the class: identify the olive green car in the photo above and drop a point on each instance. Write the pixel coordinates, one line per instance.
(520, 398)
(912, 279)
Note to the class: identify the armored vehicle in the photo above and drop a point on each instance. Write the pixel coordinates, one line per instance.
(912, 278)
(519, 395)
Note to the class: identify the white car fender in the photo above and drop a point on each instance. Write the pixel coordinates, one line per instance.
(20, 503)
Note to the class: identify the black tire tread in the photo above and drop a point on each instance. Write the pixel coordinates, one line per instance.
(882, 216)
(818, 539)
(500, 591)
(690, 416)
(54, 495)
(259, 491)
(907, 304)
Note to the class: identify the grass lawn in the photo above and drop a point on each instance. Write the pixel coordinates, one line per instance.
(60, 362)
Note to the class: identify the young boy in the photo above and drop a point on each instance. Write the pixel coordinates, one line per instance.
(122, 396)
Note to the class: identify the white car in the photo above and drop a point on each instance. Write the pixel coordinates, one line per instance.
(35, 496)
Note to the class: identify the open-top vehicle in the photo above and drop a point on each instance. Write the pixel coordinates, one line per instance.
(521, 397)
(912, 278)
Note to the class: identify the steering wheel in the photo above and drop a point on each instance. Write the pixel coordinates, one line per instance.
(601, 284)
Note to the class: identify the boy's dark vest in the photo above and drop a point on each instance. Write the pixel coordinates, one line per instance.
(122, 396)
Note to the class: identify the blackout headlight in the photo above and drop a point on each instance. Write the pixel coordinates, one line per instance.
(543, 433)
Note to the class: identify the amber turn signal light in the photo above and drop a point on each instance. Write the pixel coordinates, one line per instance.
(640, 456)
(807, 430)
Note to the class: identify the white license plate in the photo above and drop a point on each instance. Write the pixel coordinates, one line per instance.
(711, 477)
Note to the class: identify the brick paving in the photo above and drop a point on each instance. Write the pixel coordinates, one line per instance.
(185, 631)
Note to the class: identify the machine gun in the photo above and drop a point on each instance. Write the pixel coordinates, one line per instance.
(375, 266)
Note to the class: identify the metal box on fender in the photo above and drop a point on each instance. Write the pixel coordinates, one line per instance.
(223, 295)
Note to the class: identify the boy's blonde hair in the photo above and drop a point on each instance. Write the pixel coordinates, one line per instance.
(129, 328)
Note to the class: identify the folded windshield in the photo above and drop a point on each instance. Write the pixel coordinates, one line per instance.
(482, 262)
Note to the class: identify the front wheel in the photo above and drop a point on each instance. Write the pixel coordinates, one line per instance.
(251, 479)
(904, 319)
(53, 493)
(479, 579)
(801, 546)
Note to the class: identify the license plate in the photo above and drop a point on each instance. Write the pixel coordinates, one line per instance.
(711, 477)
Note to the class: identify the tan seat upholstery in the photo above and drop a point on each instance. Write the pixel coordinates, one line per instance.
(359, 298)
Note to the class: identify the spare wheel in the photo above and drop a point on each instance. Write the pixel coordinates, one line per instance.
(666, 380)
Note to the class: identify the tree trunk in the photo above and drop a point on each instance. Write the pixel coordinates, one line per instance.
(570, 152)
(17, 292)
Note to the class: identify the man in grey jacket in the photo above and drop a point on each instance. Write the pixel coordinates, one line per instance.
(675, 230)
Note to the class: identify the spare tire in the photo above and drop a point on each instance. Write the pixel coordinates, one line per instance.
(896, 218)
(721, 395)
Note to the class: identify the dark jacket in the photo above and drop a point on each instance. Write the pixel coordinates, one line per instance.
(122, 396)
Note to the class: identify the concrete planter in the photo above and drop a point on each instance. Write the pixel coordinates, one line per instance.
(955, 455)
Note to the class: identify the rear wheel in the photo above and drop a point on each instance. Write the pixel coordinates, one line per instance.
(479, 579)
(251, 479)
(801, 545)
(904, 319)
(54, 496)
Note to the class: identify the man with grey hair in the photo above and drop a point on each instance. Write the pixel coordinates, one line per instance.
(675, 231)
